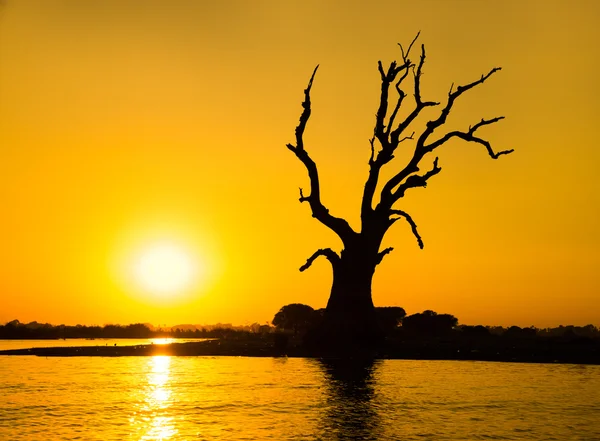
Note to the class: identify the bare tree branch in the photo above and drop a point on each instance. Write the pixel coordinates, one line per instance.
(305, 113)
(302, 197)
(414, 181)
(319, 211)
(331, 255)
(452, 96)
(388, 198)
(382, 254)
(372, 157)
(412, 223)
(405, 56)
(401, 96)
(420, 104)
(382, 130)
(386, 80)
(418, 74)
(401, 93)
(469, 136)
(407, 137)
(484, 122)
(381, 133)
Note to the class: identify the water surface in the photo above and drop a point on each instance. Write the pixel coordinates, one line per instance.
(74, 342)
(237, 398)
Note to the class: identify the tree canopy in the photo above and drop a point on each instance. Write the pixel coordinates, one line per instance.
(295, 317)
(429, 323)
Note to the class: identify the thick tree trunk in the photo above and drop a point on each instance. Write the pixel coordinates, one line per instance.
(351, 289)
(350, 314)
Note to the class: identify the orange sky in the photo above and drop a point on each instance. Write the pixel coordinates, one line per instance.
(123, 123)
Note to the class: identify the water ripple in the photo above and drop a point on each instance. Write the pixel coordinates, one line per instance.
(214, 398)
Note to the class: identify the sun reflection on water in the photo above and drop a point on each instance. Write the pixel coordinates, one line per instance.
(153, 420)
(162, 341)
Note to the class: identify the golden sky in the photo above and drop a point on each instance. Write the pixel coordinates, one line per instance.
(129, 123)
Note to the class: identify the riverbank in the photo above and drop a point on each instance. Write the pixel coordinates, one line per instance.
(529, 352)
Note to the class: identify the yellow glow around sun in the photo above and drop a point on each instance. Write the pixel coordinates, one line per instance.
(159, 262)
(165, 268)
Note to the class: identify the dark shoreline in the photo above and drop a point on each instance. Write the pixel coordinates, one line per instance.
(268, 349)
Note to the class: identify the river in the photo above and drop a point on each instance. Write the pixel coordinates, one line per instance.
(237, 398)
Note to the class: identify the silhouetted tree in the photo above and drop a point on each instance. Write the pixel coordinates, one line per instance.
(295, 317)
(429, 323)
(264, 329)
(590, 331)
(389, 317)
(350, 309)
(475, 331)
(518, 332)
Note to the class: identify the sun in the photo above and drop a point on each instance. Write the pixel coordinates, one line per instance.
(165, 268)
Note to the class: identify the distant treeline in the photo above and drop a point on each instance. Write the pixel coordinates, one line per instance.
(34, 330)
(297, 319)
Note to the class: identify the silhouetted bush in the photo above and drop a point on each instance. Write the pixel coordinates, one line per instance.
(474, 331)
(429, 323)
(296, 317)
(389, 317)
(517, 332)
